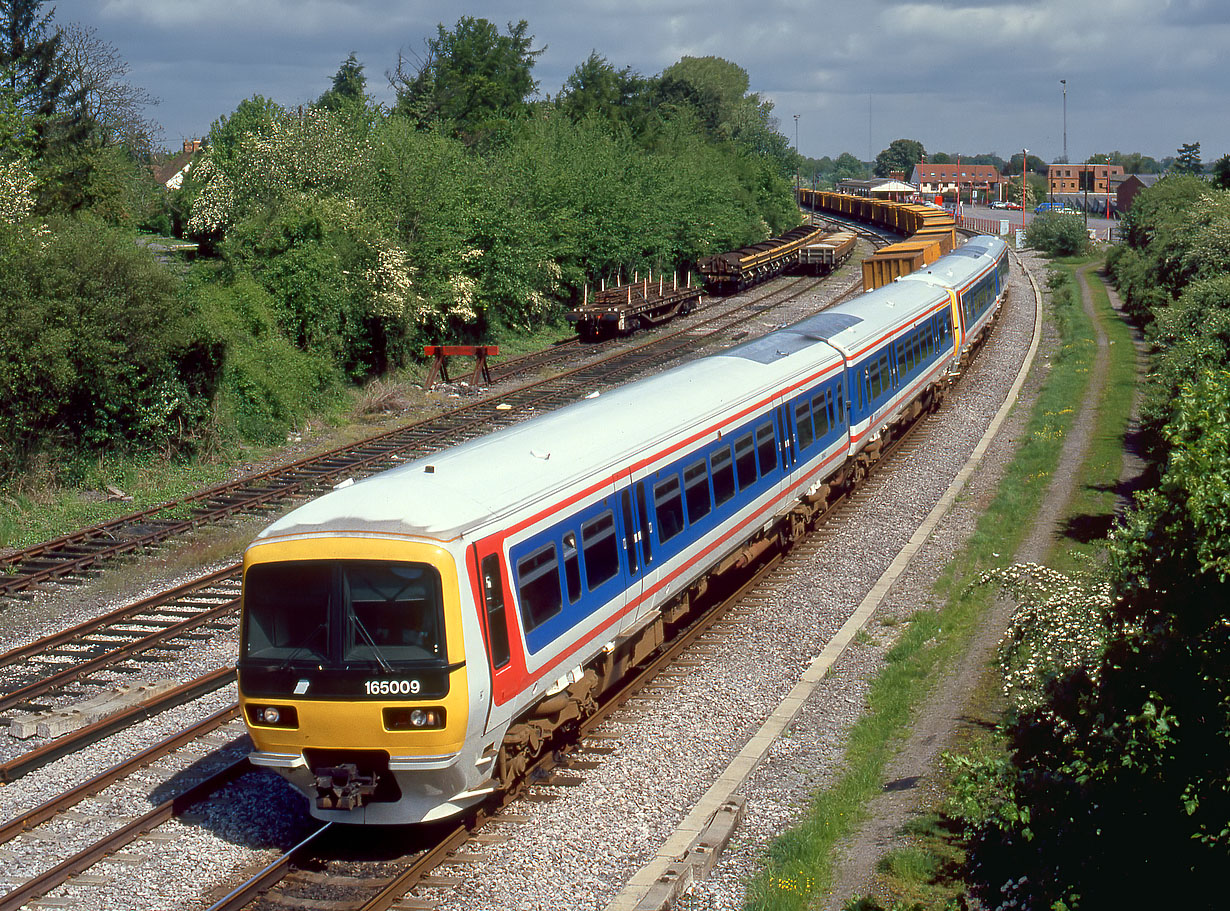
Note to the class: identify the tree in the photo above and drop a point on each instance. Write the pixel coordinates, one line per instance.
(1188, 161)
(349, 86)
(901, 155)
(1221, 173)
(470, 76)
(595, 87)
(847, 166)
(94, 72)
(29, 48)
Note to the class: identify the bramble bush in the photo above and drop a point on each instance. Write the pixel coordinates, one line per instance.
(98, 349)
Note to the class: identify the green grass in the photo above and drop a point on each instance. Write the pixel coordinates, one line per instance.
(55, 499)
(1092, 508)
(797, 871)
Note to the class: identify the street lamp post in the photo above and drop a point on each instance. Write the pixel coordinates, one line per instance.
(1064, 83)
(796, 156)
(1024, 162)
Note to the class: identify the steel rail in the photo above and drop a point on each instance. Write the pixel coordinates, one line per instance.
(91, 733)
(86, 858)
(145, 643)
(74, 633)
(73, 796)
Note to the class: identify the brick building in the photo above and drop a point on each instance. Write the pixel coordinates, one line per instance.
(976, 182)
(1064, 178)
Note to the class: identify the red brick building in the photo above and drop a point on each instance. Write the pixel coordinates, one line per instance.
(1065, 178)
(976, 182)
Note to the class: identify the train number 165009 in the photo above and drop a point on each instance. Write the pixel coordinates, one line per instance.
(392, 687)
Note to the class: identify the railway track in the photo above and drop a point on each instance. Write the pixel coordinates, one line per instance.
(82, 553)
(392, 891)
(307, 875)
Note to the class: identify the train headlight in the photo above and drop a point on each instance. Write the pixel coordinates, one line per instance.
(400, 718)
(273, 716)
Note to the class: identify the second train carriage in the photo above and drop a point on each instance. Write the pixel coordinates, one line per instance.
(408, 639)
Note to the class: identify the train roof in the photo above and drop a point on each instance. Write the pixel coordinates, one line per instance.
(464, 487)
(467, 487)
(960, 266)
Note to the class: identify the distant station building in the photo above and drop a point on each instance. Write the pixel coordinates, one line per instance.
(970, 182)
(890, 188)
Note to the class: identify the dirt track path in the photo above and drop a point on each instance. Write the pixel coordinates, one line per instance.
(909, 776)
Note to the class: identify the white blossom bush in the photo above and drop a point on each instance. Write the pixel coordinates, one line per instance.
(16, 192)
(392, 281)
(308, 152)
(1059, 627)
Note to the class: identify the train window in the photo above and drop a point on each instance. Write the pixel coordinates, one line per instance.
(840, 416)
(625, 500)
(392, 612)
(885, 372)
(493, 599)
(668, 506)
(572, 567)
(538, 584)
(901, 355)
(599, 549)
(286, 611)
(766, 448)
(802, 423)
(723, 475)
(873, 379)
(822, 415)
(745, 461)
(696, 491)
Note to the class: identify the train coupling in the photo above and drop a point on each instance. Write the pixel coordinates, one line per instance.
(342, 787)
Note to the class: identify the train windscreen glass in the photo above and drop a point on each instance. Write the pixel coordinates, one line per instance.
(345, 612)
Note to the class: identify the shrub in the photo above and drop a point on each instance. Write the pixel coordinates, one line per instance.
(98, 351)
(266, 385)
(1058, 234)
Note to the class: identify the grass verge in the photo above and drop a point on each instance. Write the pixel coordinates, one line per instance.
(798, 869)
(40, 506)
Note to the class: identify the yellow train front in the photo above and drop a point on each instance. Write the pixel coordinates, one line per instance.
(352, 674)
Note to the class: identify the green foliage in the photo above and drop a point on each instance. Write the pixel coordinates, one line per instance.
(596, 89)
(318, 258)
(98, 350)
(266, 385)
(1058, 234)
(472, 78)
(1174, 232)
(1190, 336)
(901, 155)
(1221, 173)
(1188, 159)
(1122, 766)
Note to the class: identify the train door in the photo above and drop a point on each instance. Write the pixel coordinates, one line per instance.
(636, 551)
(787, 437)
(505, 665)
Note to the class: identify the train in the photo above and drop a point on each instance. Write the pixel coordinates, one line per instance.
(411, 642)
(727, 273)
(929, 232)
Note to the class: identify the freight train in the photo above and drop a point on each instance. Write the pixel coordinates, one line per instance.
(409, 643)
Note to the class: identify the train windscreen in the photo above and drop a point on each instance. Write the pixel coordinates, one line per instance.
(343, 613)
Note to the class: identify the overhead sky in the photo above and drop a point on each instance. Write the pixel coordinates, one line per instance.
(966, 76)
